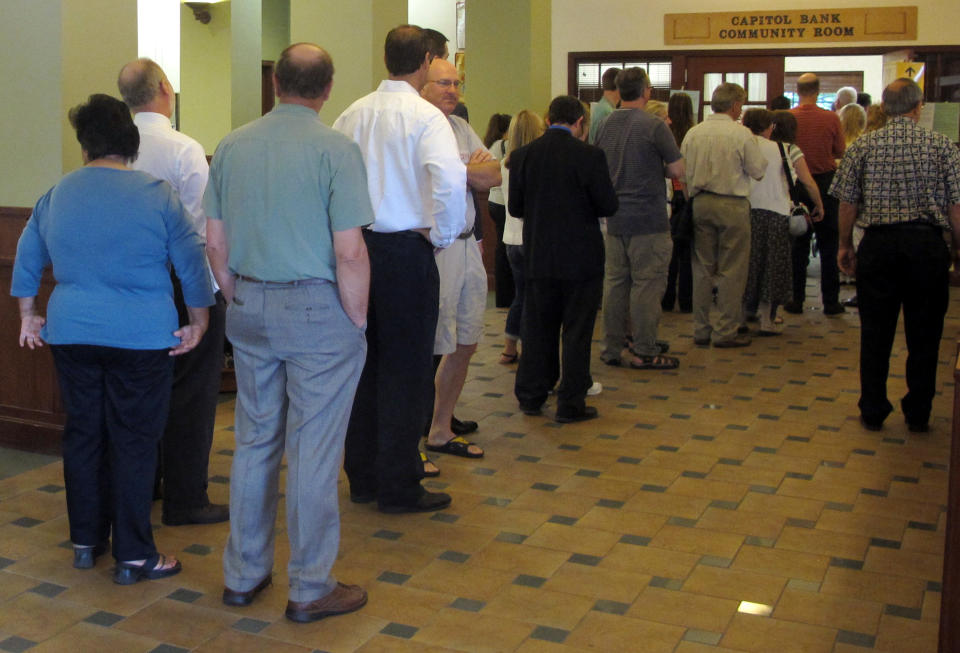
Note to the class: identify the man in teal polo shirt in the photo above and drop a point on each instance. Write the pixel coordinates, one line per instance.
(285, 203)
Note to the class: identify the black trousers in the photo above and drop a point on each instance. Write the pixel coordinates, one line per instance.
(503, 276)
(901, 266)
(555, 310)
(185, 448)
(116, 402)
(827, 241)
(396, 385)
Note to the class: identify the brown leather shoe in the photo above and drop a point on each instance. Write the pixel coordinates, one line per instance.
(343, 599)
(239, 599)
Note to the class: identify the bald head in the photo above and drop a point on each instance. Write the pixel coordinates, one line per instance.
(808, 85)
(304, 71)
(442, 87)
(141, 84)
(901, 97)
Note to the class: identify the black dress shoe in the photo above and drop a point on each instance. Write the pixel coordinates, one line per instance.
(85, 557)
(240, 599)
(588, 412)
(463, 427)
(871, 425)
(426, 502)
(833, 308)
(918, 427)
(212, 513)
(533, 411)
(793, 307)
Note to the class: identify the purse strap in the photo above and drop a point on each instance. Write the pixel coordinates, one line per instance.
(786, 170)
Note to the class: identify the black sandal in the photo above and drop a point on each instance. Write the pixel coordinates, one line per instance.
(151, 569)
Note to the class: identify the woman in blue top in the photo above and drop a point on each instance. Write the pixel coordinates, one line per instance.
(110, 234)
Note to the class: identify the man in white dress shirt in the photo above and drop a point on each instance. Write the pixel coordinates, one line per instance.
(416, 182)
(178, 159)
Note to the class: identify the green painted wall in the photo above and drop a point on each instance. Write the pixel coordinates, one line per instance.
(246, 30)
(30, 116)
(276, 28)
(205, 77)
(507, 58)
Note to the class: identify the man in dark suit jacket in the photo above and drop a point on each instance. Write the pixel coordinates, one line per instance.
(560, 186)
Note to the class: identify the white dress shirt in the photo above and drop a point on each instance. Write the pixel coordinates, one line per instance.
(179, 160)
(414, 173)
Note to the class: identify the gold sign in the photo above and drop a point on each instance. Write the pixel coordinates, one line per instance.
(792, 26)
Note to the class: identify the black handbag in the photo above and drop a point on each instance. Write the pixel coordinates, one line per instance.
(681, 220)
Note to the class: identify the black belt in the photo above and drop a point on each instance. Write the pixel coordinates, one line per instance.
(913, 224)
(465, 234)
(294, 283)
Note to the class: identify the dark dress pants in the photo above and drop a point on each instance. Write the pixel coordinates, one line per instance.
(827, 242)
(502, 273)
(116, 401)
(393, 398)
(905, 265)
(555, 310)
(185, 448)
(680, 273)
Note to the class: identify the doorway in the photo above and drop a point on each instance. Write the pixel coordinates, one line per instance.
(760, 76)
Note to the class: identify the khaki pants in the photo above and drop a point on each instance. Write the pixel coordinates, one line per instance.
(721, 245)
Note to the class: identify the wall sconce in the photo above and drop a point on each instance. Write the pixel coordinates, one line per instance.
(201, 10)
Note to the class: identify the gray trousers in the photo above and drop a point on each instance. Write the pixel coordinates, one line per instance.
(633, 285)
(721, 247)
(298, 359)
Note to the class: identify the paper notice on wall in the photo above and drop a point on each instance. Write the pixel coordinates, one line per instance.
(912, 70)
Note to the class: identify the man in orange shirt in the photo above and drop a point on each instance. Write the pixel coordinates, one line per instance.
(820, 137)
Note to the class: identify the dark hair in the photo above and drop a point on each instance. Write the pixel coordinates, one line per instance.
(461, 111)
(864, 99)
(780, 103)
(140, 83)
(496, 128)
(632, 82)
(608, 81)
(436, 42)
(564, 110)
(807, 89)
(405, 49)
(304, 77)
(757, 120)
(784, 127)
(104, 127)
(901, 96)
(680, 111)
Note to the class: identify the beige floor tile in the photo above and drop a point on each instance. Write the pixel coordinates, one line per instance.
(606, 632)
(684, 609)
(554, 503)
(701, 540)
(622, 521)
(765, 634)
(829, 610)
(668, 504)
(540, 646)
(514, 558)
(813, 540)
(782, 562)
(900, 562)
(37, 618)
(405, 604)
(342, 634)
(508, 518)
(898, 635)
(233, 641)
(774, 504)
(742, 522)
(467, 581)
(693, 647)
(473, 632)
(598, 583)
(572, 539)
(923, 541)
(735, 584)
(793, 487)
(177, 623)
(709, 489)
(539, 606)
(854, 523)
(388, 555)
(650, 560)
(87, 638)
(900, 508)
(868, 586)
(600, 488)
(746, 474)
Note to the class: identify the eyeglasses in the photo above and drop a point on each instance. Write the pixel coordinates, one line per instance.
(447, 83)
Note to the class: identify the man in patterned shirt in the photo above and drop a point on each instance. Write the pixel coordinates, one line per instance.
(902, 184)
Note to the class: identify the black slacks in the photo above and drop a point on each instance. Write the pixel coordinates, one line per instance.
(827, 241)
(503, 275)
(396, 386)
(116, 402)
(901, 266)
(555, 310)
(185, 448)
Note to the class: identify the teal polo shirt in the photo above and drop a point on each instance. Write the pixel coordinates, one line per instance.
(282, 185)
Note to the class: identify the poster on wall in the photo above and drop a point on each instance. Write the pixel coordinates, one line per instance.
(461, 25)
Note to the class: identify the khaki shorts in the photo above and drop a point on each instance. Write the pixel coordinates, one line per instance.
(463, 296)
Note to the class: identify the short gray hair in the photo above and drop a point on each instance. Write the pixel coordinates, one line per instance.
(846, 95)
(901, 96)
(138, 82)
(632, 82)
(725, 96)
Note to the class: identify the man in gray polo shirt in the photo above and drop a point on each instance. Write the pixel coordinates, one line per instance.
(285, 203)
(640, 151)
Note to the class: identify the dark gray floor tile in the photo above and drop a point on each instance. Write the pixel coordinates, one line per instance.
(584, 559)
(184, 595)
(512, 538)
(548, 634)
(445, 517)
(48, 590)
(16, 644)
(384, 534)
(903, 611)
(248, 625)
(468, 605)
(637, 540)
(198, 549)
(103, 618)
(856, 639)
(454, 556)
(526, 580)
(393, 577)
(562, 519)
(611, 607)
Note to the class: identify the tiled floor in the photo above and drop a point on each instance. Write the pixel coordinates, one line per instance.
(733, 505)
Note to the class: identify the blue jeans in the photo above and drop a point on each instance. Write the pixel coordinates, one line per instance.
(515, 314)
(297, 358)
